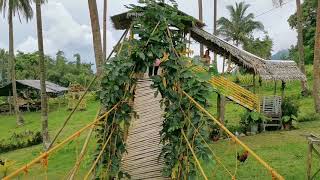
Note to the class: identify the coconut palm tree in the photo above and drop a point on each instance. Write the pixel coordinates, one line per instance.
(316, 64)
(201, 19)
(240, 25)
(12, 8)
(301, 47)
(105, 10)
(94, 17)
(44, 99)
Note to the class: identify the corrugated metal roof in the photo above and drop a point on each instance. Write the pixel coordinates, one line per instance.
(50, 87)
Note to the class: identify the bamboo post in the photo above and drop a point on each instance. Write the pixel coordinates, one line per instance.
(283, 86)
(221, 109)
(223, 63)
(275, 88)
(254, 82)
(309, 160)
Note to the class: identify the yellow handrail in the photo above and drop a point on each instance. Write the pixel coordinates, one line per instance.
(46, 154)
(273, 172)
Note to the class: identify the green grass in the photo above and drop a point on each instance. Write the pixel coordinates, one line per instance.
(59, 163)
(285, 151)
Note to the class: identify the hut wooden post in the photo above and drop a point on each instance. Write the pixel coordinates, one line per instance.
(10, 105)
(275, 87)
(221, 108)
(283, 86)
(223, 63)
(309, 160)
(254, 82)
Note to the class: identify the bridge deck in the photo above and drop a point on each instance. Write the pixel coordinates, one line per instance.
(142, 160)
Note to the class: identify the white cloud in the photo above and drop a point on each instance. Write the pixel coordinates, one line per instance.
(62, 32)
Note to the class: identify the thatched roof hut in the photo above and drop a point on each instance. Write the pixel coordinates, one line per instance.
(266, 69)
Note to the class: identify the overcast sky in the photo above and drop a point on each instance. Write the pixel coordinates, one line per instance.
(67, 24)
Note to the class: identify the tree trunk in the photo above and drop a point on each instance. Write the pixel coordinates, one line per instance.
(201, 19)
(105, 10)
(316, 64)
(215, 59)
(301, 48)
(94, 17)
(20, 120)
(44, 102)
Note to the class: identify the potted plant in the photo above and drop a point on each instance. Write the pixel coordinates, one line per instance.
(287, 121)
(290, 109)
(250, 121)
(215, 132)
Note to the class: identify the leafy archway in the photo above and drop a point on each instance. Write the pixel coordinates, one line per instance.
(158, 33)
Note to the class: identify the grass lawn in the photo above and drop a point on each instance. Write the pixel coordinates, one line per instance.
(59, 163)
(285, 151)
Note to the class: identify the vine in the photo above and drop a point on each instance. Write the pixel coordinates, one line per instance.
(159, 33)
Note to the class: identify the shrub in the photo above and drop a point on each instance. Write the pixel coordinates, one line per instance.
(290, 107)
(309, 117)
(249, 118)
(20, 140)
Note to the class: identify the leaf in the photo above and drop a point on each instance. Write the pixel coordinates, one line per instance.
(142, 56)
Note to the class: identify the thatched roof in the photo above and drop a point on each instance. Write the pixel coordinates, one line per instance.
(123, 21)
(266, 69)
(34, 84)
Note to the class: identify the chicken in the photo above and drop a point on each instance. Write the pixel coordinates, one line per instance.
(1, 162)
(243, 157)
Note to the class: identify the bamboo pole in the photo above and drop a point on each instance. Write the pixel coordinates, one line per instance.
(273, 172)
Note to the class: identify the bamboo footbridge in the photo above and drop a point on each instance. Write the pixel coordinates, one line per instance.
(142, 160)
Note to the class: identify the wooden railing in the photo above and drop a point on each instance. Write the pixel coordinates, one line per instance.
(234, 92)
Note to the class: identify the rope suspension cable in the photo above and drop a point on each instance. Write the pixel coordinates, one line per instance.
(194, 155)
(261, 161)
(54, 148)
(85, 93)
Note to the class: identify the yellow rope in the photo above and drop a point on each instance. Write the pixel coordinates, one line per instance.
(99, 156)
(194, 155)
(213, 153)
(54, 148)
(260, 160)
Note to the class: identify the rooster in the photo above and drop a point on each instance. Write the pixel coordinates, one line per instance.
(1, 162)
(243, 157)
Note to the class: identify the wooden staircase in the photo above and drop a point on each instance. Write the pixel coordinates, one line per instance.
(235, 93)
(143, 143)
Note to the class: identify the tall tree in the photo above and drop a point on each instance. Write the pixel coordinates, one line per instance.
(215, 59)
(105, 13)
(15, 7)
(201, 19)
(316, 64)
(300, 47)
(42, 67)
(94, 17)
(240, 25)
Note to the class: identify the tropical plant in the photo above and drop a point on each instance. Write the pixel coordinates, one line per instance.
(249, 119)
(20, 8)
(42, 67)
(160, 31)
(259, 47)
(290, 109)
(240, 26)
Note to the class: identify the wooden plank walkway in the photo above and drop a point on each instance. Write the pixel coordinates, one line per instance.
(143, 143)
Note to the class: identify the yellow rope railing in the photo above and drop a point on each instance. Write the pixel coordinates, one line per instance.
(234, 91)
(273, 172)
(54, 148)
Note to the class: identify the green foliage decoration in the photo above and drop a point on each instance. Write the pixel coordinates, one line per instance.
(160, 31)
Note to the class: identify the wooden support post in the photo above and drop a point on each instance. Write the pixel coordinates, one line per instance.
(9, 101)
(283, 86)
(254, 82)
(223, 63)
(275, 88)
(309, 160)
(221, 102)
